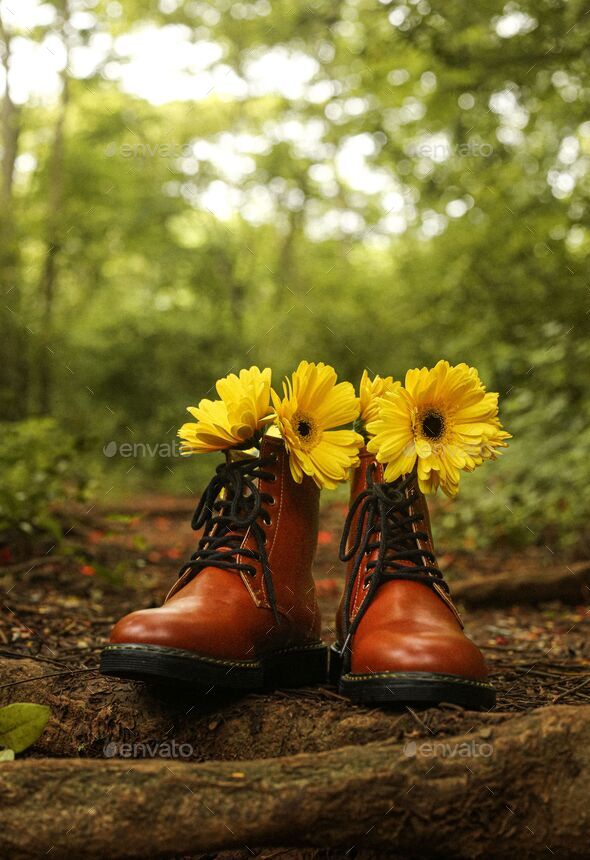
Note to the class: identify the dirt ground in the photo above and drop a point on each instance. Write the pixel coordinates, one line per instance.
(58, 604)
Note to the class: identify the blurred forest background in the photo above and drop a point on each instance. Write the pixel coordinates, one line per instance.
(192, 187)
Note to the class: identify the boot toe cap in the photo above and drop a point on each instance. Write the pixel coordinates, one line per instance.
(143, 627)
(178, 624)
(446, 652)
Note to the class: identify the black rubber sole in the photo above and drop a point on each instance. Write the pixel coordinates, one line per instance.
(292, 667)
(423, 688)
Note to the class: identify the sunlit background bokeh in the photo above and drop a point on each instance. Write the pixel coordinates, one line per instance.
(193, 187)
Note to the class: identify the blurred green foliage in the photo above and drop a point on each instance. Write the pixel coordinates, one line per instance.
(40, 464)
(426, 192)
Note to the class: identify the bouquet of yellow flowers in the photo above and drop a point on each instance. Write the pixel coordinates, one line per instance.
(439, 422)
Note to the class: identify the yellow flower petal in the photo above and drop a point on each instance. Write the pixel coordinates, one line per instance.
(370, 391)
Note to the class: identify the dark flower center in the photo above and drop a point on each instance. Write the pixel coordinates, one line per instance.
(304, 428)
(433, 425)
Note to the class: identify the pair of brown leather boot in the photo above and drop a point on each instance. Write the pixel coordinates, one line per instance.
(243, 614)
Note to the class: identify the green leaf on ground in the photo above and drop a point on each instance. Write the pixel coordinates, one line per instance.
(21, 724)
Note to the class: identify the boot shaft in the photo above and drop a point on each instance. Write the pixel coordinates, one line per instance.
(291, 532)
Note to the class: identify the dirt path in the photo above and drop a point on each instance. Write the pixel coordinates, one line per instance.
(61, 608)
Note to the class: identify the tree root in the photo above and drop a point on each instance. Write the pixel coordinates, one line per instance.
(569, 584)
(519, 790)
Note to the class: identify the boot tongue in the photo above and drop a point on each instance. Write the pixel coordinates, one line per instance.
(245, 501)
(407, 539)
(232, 528)
(359, 482)
(271, 448)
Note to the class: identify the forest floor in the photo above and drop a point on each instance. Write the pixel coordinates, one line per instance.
(59, 603)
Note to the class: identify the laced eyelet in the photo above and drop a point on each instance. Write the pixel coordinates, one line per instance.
(233, 504)
(271, 502)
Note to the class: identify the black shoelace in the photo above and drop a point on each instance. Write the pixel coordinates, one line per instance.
(231, 506)
(386, 525)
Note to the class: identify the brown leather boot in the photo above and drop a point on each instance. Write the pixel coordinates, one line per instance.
(400, 637)
(243, 613)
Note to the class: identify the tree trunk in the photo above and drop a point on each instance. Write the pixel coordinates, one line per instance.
(403, 801)
(54, 237)
(13, 401)
(10, 136)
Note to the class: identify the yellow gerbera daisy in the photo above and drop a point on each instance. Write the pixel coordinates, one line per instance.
(444, 419)
(312, 405)
(234, 420)
(370, 391)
